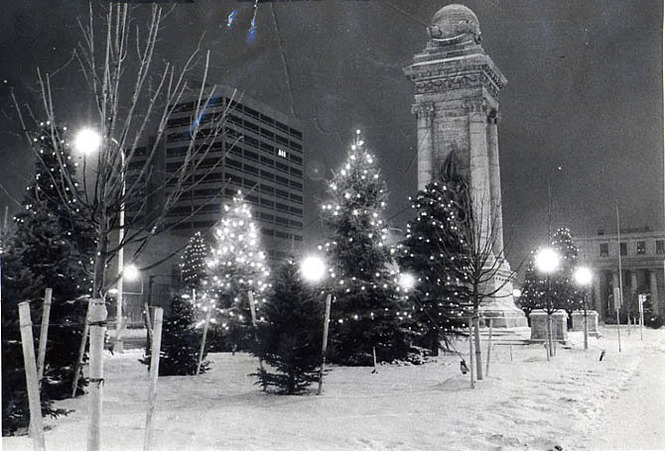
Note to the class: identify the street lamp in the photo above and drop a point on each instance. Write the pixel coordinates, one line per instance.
(88, 141)
(583, 277)
(313, 270)
(547, 261)
(131, 273)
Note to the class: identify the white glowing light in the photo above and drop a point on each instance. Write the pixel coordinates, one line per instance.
(313, 268)
(87, 141)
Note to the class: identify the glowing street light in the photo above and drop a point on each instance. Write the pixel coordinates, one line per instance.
(131, 273)
(547, 261)
(313, 269)
(583, 277)
(87, 141)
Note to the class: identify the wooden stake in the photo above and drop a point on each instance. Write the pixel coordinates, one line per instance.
(32, 382)
(43, 333)
(489, 348)
(548, 345)
(324, 344)
(84, 342)
(154, 375)
(473, 384)
(203, 338)
(97, 323)
(374, 356)
(252, 311)
(618, 331)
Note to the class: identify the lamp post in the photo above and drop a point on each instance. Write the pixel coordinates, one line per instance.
(547, 261)
(88, 141)
(313, 270)
(583, 277)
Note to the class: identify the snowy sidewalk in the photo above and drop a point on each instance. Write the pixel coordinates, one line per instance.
(636, 419)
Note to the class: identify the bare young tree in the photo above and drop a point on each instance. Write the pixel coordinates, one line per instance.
(485, 268)
(134, 93)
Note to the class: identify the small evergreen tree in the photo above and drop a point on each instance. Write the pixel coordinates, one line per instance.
(367, 314)
(563, 294)
(48, 248)
(533, 291)
(564, 290)
(236, 266)
(289, 339)
(180, 341)
(442, 290)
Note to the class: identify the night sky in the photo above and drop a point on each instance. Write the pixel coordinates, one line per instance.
(583, 105)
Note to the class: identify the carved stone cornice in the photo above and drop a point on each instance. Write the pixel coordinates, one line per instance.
(440, 76)
(423, 110)
(469, 80)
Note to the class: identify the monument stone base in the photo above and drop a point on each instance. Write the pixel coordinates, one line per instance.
(501, 308)
(538, 319)
(592, 322)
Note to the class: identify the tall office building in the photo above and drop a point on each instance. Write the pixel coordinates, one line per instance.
(258, 151)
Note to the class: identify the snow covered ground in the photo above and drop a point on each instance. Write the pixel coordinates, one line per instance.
(574, 401)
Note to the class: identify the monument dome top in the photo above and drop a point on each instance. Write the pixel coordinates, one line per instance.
(453, 22)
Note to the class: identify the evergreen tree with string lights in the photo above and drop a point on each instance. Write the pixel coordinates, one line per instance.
(193, 264)
(367, 315)
(441, 294)
(237, 267)
(48, 248)
(567, 294)
(564, 293)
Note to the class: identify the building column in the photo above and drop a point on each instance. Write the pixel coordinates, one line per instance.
(481, 200)
(495, 181)
(615, 284)
(633, 283)
(596, 302)
(653, 288)
(425, 119)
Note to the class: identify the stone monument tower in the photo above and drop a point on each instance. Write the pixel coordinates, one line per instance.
(456, 105)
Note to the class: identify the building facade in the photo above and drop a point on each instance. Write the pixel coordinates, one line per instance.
(642, 254)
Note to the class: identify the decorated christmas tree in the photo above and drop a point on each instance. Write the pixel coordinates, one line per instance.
(564, 290)
(180, 341)
(237, 272)
(48, 248)
(289, 339)
(434, 251)
(193, 263)
(563, 293)
(367, 315)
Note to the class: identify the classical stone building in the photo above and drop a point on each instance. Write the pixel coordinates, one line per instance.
(456, 105)
(642, 254)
